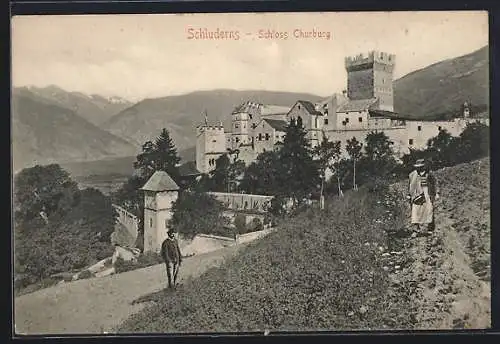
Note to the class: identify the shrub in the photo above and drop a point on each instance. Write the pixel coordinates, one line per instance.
(85, 274)
(240, 222)
(257, 224)
(144, 260)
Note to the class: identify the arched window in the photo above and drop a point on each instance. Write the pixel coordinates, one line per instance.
(150, 222)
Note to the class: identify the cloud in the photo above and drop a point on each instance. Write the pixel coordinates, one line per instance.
(139, 56)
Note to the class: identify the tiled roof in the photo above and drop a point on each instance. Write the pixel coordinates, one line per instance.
(268, 110)
(309, 107)
(357, 105)
(160, 181)
(277, 124)
(340, 100)
(189, 169)
(261, 109)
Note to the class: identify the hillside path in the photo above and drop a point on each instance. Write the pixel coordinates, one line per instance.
(97, 305)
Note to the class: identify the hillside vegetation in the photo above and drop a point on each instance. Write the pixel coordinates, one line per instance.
(440, 89)
(348, 267)
(320, 271)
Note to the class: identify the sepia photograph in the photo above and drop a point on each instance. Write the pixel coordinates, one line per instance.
(250, 172)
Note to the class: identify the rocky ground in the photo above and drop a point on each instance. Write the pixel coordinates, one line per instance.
(447, 274)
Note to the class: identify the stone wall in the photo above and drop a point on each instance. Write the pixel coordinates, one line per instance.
(236, 201)
(128, 220)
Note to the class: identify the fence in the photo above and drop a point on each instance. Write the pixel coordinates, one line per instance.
(236, 201)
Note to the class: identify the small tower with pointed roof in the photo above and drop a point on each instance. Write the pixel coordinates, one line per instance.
(160, 192)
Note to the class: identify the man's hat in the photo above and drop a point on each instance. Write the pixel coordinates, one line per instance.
(419, 163)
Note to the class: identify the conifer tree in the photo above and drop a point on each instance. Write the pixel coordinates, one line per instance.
(299, 172)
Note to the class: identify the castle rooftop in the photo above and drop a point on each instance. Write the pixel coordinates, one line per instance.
(160, 181)
(372, 56)
(357, 105)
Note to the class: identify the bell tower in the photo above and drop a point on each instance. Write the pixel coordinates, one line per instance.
(160, 193)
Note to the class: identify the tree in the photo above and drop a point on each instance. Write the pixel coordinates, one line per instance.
(473, 143)
(262, 176)
(43, 192)
(195, 212)
(157, 155)
(378, 159)
(160, 155)
(327, 154)
(75, 231)
(226, 173)
(353, 148)
(299, 172)
(438, 150)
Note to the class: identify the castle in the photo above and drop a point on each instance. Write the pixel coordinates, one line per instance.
(367, 105)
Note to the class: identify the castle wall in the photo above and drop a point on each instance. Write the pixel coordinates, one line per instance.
(352, 120)
(265, 137)
(247, 154)
(419, 132)
(397, 135)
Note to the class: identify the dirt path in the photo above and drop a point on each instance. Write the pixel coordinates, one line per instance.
(445, 289)
(99, 304)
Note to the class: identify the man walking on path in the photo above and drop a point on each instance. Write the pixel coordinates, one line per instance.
(422, 193)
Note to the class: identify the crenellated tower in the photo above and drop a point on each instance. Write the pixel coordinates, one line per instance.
(371, 76)
(210, 145)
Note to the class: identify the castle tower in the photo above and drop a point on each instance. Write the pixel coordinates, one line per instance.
(210, 145)
(160, 192)
(371, 76)
(240, 123)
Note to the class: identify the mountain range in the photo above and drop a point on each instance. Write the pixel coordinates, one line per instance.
(44, 133)
(51, 124)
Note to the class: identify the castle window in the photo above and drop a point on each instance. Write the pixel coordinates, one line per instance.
(267, 137)
(250, 115)
(360, 119)
(298, 106)
(244, 126)
(150, 222)
(326, 121)
(237, 139)
(410, 142)
(347, 120)
(419, 128)
(214, 140)
(344, 123)
(439, 128)
(260, 136)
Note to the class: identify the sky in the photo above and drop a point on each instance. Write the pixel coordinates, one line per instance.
(147, 56)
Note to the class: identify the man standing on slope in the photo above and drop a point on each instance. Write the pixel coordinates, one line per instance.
(422, 194)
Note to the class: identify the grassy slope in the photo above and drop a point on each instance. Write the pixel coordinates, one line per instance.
(443, 87)
(319, 271)
(322, 270)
